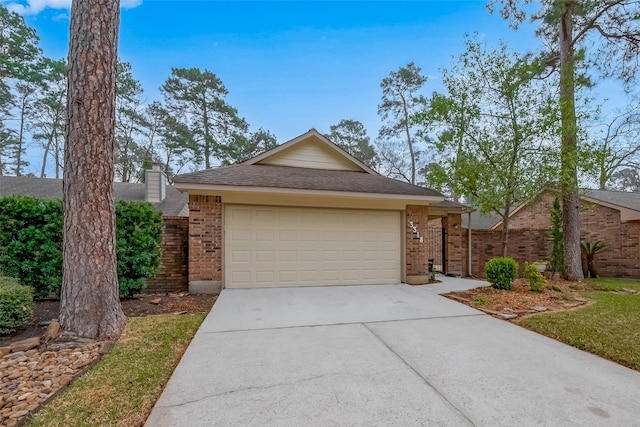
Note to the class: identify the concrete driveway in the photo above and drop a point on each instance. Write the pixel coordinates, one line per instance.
(380, 356)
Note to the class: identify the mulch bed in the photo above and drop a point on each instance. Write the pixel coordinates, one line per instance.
(560, 295)
(140, 306)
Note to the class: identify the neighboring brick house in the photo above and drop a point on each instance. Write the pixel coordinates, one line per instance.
(610, 216)
(306, 213)
(172, 273)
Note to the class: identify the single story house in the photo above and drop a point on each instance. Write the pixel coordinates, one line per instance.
(609, 216)
(306, 213)
(165, 198)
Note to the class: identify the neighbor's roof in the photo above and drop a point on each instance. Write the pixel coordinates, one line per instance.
(451, 206)
(272, 176)
(622, 199)
(481, 221)
(48, 188)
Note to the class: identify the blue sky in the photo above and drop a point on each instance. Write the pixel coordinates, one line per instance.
(290, 65)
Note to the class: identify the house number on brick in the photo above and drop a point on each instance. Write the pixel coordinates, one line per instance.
(416, 232)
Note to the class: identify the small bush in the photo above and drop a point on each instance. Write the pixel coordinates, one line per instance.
(537, 282)
(554, 288)
(16, 305)
(500, 272)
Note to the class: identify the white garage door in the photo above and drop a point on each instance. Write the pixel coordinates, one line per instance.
(279, 246)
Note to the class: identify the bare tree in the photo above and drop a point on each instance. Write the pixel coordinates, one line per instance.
(617, 148)
(400, 101)
(90, 306)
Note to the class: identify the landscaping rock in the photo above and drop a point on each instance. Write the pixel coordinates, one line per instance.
(105, 347)
(28, 378)
(53, 330)
(4, 351)
(508, 316)
(155, 301)
(25, 345)
(14, 355)
(539, 308)
(628, 291)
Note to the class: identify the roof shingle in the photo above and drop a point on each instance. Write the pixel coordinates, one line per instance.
(48, 188)
(272, 176)
(624, 199)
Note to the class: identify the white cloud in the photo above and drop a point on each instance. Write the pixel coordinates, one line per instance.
(130, 4)
(33, 7)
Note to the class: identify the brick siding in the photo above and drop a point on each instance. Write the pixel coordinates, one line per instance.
(417, 252)
(205, 238)
(452, 223)
(530, 238)
(172, 273)
(523, 245)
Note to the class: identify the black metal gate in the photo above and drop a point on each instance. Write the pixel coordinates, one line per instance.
(436, 243)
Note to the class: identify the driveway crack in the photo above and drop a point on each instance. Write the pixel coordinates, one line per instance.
(424, 379)
(238, 390)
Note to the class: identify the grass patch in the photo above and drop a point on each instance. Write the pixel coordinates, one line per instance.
(609, 328)
(480, 301)
(613, 284)
(122, 389)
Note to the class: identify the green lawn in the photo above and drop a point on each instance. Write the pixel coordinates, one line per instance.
(609, 328)
(122, 389)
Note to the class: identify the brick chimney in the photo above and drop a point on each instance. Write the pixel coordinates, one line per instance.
(156, 182)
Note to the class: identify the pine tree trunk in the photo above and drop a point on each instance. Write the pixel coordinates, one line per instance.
(90, 306)
(569, 154)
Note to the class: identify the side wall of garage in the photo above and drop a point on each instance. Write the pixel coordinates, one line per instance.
(205, 244)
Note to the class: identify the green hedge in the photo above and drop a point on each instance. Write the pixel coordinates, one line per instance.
(16, 305)
(31, 243)
(138, 245)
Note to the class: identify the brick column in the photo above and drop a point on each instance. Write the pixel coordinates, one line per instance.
(416, 255)
(452, 223)
(205, 244)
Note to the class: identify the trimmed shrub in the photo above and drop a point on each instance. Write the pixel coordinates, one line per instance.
(500, 272)
(537, 282)
(31, 243)
(138, 247)
(16, 305)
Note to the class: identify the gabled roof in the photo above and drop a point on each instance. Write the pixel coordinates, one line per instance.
(316, 137)
(628, 203)
(621, 199)
(271, 176)
(48, 188)
(262, 173)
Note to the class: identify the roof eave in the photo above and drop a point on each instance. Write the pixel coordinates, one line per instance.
(198, 188)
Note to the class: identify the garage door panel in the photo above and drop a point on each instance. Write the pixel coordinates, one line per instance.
(276, 246)
(264, 255)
